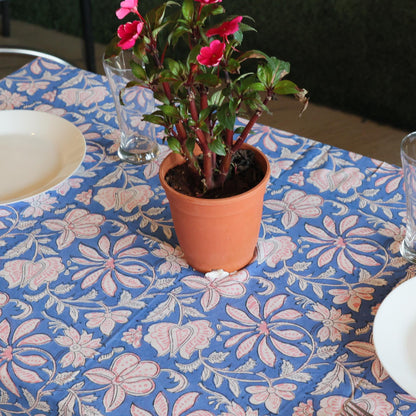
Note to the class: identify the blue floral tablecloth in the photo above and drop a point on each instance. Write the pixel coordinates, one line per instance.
(100, 314)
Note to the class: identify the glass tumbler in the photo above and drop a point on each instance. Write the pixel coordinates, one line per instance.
(408, 156)
(138, 138)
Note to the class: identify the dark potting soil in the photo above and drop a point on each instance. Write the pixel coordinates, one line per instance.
(244, 175)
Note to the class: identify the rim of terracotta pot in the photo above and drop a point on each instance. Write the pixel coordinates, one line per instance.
(211, 201)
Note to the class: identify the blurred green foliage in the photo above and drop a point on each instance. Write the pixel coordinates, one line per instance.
(354, 55)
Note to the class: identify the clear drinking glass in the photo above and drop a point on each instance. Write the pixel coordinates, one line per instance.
(138, 138)
(408, 156)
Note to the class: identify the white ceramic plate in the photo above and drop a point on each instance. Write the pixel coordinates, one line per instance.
(37, 152)
(394, 335)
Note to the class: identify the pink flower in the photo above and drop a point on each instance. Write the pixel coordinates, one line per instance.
(211, 55)
(32, 273)
(229, 286)
(77, 223)
(127, 375)
(14, 351)
(4, 300)
(334, 323)
(374, 403)
(352, 297)
(181, 406)
(119, 264)
(85, 197)
(81, 346)
(10, 100)
(271, 396)
(169, 338)
(235, 409)
(71, 183)
(31, 88)
(39, 204)
(297, 179)
(173, 256)
(106, 321)
(264, 329)
(275, 250)
(367, 351)
(125, 199)
(83, 97)
(304, 409)
(342, 180)
(271, 138)
(204, 2)
(387, 175)
(396, 233)
(129, 33)
(133, 336)
(126, 7)
(226, 29)
(344, 243)
(296, 204)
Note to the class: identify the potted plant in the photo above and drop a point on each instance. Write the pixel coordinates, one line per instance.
(189, 55)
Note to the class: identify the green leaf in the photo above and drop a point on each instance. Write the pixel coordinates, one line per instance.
(203, 115)
(285, 87)
(210, 80)
(174, 144)
(188, 10)
(154, 119)
(138, 70)
(226, 115)
(169, 110)
(251, 55)
(218, 147)
(190, 144)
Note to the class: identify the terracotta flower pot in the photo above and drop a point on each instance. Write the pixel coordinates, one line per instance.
(217, 233)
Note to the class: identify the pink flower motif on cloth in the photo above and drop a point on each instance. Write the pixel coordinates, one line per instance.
(271, 396)
(304, 409)
(342, 180)
(334, 322)
(173, 256)
(118, 264)
(10, 100)
(211, 55)
(263, 328)
(229, 286)
(31, 88)
(397, 234)
(271, 138)
(388, 176)
(106, 321)
(128, 375)
(297, 179)
(181, 405)
(275, 250)
(39, 204)
(81, 346)
(374, 403)
(4, 300)
(133, 336)
(344, 243)
(13, 351)
(32, 273)
(352, 297)
(84, 97)
(78, 223)
(170, 338)
(296, 204)
(366, 350)
(125, 199)
(234, 409)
